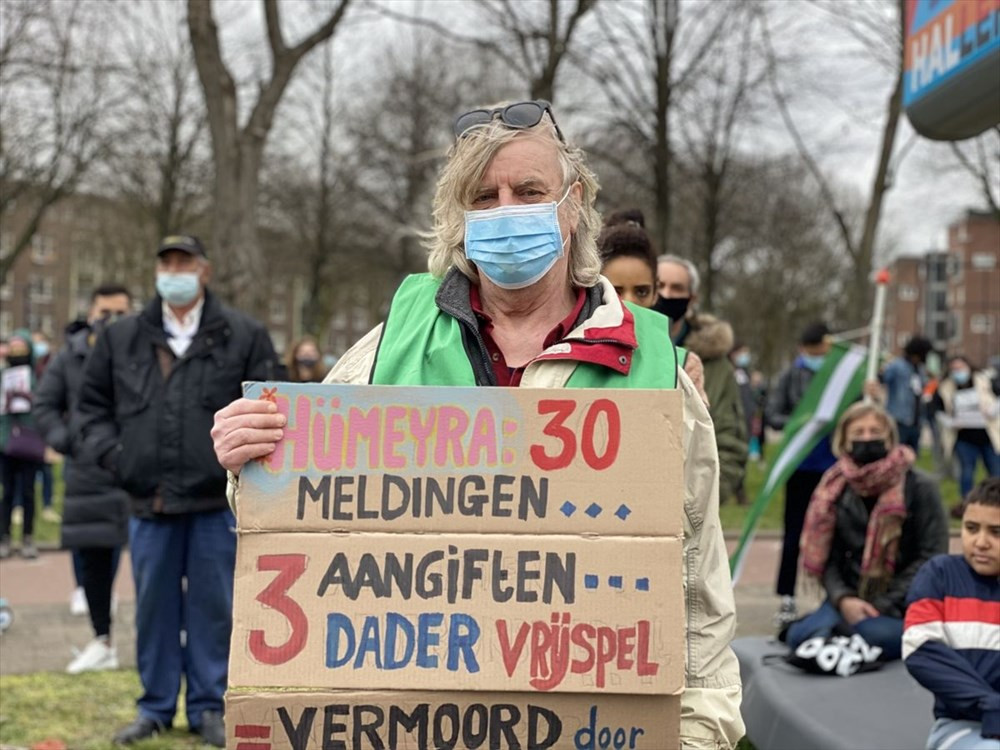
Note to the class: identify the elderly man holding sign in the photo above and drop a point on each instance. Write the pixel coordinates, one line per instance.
(515, 298)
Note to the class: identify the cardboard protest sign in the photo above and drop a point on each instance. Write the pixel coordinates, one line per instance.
(495, 460)
(472, 611)
(515, 543)
(413, 720)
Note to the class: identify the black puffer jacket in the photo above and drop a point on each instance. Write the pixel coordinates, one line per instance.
(924, 535)
(95, 510)
(148, 414)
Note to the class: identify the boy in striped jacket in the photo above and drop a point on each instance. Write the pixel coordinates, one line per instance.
(951, 634)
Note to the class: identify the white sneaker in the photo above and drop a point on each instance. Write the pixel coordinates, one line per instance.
(78, 602)
(98, 655)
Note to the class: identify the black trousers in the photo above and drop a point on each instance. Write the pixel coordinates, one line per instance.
(18, 475)
(98, 565)
(798, 492)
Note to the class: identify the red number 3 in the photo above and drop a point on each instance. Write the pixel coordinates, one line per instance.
(290, 568)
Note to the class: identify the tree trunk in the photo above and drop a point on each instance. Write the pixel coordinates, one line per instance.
(664, 22)
(863, 291)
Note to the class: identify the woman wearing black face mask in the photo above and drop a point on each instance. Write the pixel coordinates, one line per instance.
(872, 522)
(305, 362)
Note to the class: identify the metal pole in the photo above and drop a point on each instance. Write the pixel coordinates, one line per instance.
(875, 340)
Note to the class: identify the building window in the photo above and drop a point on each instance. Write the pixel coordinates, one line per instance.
(40, 322)
(955, 266)
(278, 311)
(40, 289)
(6, 323)
(939, 330)
(981, 324)
(984, 261)
(908, 293)
(7, 289)
(901, 339)
(43, 250)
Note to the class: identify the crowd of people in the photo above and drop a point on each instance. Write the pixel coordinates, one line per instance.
(525, 276)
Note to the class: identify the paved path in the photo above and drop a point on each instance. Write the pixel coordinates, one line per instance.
(44, 633)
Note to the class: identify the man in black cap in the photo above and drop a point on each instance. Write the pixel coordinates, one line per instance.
(150, 390)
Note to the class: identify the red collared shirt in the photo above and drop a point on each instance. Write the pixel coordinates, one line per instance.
(511, 376)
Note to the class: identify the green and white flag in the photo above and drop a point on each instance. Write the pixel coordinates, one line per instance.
(834, 387)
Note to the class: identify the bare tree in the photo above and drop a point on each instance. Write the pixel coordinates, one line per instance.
(238, 151)
(532, 37)
(885, 42)
(784, 268)
(711, 120)
(56, 102)
(645, 58)
(980, 157)
(160, 165)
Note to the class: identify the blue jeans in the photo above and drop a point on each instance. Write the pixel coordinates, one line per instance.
(956, 734)
(882, 631)
(201, 548)
(968, 455)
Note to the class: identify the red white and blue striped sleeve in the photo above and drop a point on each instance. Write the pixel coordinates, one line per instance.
(945, 636)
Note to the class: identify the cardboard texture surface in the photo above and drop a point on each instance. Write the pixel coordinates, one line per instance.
(411, 720)
(497, 460)
(472, 611)
(505, 562)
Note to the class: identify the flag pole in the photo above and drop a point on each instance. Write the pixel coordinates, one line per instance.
(875, 340)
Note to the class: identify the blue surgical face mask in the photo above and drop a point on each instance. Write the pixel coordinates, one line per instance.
(813, 361)
(178, 288)
(41, 348)
(742, 359)
(514, 246)
(961, 377)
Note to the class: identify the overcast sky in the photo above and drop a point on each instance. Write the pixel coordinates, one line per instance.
(837, 88)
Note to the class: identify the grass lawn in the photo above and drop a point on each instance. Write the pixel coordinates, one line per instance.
(83, 711)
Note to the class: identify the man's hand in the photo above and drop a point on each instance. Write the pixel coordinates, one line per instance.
(854, 609)
(245, 430)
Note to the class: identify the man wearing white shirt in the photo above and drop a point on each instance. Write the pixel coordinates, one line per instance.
(151, 388)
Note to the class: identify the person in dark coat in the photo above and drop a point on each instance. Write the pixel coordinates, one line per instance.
(151, 388)
(814, 345)
(872, 522)
(95, 510)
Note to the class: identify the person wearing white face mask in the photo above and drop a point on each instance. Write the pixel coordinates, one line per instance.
(514, 297)
(150, 389)
(969, 413)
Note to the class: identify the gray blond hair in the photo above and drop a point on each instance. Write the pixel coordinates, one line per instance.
(694, 280)
(856, 411)
(468, 159)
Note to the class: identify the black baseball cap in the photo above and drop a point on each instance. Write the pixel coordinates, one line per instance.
(187, 243)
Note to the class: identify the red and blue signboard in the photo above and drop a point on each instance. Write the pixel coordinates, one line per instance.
(951, 66)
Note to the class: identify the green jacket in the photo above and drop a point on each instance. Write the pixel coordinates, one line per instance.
(712, 339)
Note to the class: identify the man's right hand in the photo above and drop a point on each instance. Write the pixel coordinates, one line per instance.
(245, 430)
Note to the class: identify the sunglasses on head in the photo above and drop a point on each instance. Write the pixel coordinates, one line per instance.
(517, 116)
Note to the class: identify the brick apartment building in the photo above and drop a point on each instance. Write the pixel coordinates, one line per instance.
(85, 240)
(951, 296)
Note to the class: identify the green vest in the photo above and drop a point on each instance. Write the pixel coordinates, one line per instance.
(422, 345)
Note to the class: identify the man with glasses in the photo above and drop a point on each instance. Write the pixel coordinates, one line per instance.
(514, 297)
(95, 510)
